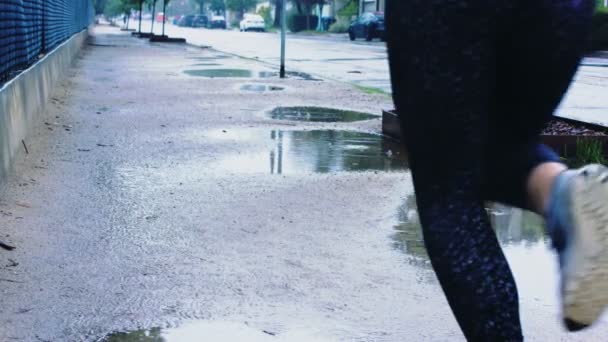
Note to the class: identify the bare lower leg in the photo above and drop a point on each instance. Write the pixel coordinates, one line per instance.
(540, 184)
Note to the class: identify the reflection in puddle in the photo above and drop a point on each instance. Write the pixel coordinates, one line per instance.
(214, 332)
(319, 151)
(513, 227)
(319, 114)
(521, 235)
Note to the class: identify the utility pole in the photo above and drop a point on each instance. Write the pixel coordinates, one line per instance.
(283, 29)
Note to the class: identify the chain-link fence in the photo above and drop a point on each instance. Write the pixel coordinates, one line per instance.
(31, 28)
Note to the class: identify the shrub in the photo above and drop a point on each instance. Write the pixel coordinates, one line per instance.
(266, 13)
(350, 10)
(599, 31)
(340, 26)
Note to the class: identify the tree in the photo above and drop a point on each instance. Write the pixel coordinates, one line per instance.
(217, 6)
(100, 6)
(115, 8)
(240, 6)
(201, 6)
(305, 8)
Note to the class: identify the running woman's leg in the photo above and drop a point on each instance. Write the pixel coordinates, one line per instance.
(537, 58)
(537, 52)
(442, 57)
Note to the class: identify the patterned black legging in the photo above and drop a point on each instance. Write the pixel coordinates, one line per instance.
(474, 82)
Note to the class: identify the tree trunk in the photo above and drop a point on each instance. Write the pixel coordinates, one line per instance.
(153, 13)
(320, 24)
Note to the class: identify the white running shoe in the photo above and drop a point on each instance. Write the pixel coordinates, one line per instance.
(578, 222)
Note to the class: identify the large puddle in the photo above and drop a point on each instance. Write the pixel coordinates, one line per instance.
(233, 73)
(214, 331)
(316, 151)
(220, 73)
(319, 114)
(521, 235)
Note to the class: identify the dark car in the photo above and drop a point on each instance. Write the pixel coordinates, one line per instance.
(200, 21)
(186, 21)
(176, 19)
(368, 26)
(217, 21)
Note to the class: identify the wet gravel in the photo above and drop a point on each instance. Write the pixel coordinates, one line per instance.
(560, 127)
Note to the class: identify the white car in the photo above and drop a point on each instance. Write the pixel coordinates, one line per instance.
(252, 22)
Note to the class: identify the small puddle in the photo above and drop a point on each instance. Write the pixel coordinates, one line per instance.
(319, 114)
(206, 64)
(521, 235)
(260, 88)
(317, 151)
(214, 332)
(209, 58)
(290, 74)
(220, 73)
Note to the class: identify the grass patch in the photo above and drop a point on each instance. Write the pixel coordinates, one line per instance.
(588, 152)
(372, 91)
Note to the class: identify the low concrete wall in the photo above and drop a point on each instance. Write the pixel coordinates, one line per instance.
(23, 99)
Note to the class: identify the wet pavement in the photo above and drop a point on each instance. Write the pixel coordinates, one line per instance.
(159, 206)
(366, 65)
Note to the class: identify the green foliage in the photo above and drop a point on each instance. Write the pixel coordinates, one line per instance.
(217, 6)
(350, 10)
(266, 13)
(100, 6)
(291, 19)
(339, 26)
(115, 8)
(599, 6)
(589, 152)
(240, 6)
(200, 4)
(599, 31)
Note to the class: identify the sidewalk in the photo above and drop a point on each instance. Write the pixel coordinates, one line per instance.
(587, 98)
(152, 197)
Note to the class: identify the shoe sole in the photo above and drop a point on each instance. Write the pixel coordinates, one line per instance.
(585, 281)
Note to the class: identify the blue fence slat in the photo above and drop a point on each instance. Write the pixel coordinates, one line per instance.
(29, 28)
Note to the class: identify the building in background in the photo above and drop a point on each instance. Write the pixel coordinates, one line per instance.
(371, 6)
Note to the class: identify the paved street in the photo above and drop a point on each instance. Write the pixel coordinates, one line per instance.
(334, 57)
(365, 64)
(156, 197)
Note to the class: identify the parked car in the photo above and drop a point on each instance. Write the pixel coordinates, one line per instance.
(368, 26)
(200, 21)
(185, 21)
(160, 17)
(217, 21)
(252, 22)
(176, 19)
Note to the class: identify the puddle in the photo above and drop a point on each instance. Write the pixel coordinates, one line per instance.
(212, 332)
(209, 58)
(227, 73)
(289, 74)
(297, 152)
(521, 235)
(319, 114)
(260, 88)
(206, 64)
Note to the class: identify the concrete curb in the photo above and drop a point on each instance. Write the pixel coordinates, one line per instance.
(23, 99)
